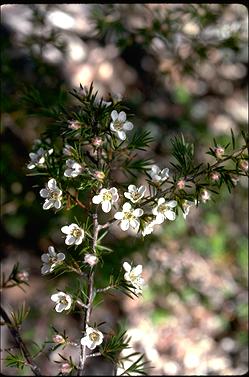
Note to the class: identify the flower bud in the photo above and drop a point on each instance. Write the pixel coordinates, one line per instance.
(91, 259)
(23, 276)
(74, 124)
(99, 175)
(219, 151)
(58, 339)
(65, 368)
(215, 176)
(205, 196)
(97, 142)
(235, 179)
(181, 184)
(243, 165)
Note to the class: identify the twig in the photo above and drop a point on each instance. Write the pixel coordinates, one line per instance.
(19, 342)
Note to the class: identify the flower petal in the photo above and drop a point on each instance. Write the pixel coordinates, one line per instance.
(127, 266)
(138, 212)
(44, 193)
(128, 126)
(70, 240)
(45, 269)
(118, 215)
(137, 270)
(48, 204)
(65, 229)
(159, 218)
(127, 207)
(122, 116)
(45, 258)
(60, 307)
(106, 206)
(124, 225)
(121, 135)
(172, 203)
(60, 257)
(170, 215)
(52, 184)
(114, 115)
(134, 223)
(57, 204)
(97, 199)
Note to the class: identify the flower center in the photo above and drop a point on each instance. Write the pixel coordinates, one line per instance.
(63, 301)
(54, 195)
(135, 195)
(94, 337)
(129, 216)
(118, 125)
(162, 208)
(76, 232)
(52, 260)
(107, 196)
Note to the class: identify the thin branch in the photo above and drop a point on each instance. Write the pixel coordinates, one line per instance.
(94, 355)
(19, 342)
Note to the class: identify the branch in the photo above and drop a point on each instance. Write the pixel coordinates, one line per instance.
(19, 342)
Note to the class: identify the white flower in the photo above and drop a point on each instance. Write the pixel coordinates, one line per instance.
(91, 259)
(158, 175)
(135, 194)
(133, 275)
(51, 259)
(92, 339)
(149, 228)
(38, 158)
(119, 124)
(186, 205)
(164, 211)
(75, 234)
(73, 170)
(106, 197)
(129, 216)
(67, 150)
(52, 194)
(205, 196)
(63, 301)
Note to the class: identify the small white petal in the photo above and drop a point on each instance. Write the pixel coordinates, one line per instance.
(57, 204)
(51, 250)
(122, 116)
(137, 270)
(44, 193)
(60, 307)
(128, 195)
(138, 212)
(52, 184)
(170, 215)
(65, 229)
(172, 203)
(127, 207)
(114, 115)
(132, 188)
(45, 258)
(128, 126)
(45, 269)
(106, 206)
(134, 223)
(159, 218)
(55, 297)
(70, 240)
(124, 225)
(97, 199)
(127, 266)
(48, 204)
(60, 256)
(118, 215)
(31, 166)
(68, 173)
(79, 240)
(161, 201)
(121, 135)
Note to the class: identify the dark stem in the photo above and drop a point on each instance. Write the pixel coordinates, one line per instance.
(19, 342)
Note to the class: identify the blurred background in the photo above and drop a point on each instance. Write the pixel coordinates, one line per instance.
(180, 68)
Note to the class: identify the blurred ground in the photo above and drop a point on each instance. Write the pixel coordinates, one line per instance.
(193, 317)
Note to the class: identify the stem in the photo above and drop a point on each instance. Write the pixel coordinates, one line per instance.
(90, 295)
(19, 342)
